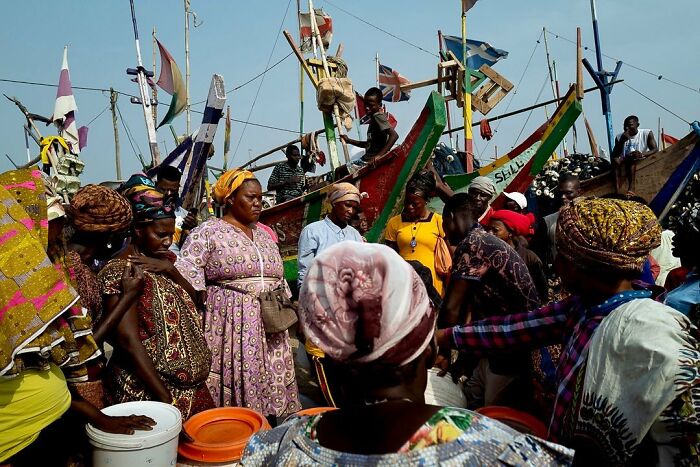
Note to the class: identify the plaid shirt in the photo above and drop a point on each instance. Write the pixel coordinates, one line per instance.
(566, 322)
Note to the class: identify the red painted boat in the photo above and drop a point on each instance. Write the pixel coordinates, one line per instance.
(383, 181)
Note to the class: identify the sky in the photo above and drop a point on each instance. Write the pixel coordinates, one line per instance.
(238, 39)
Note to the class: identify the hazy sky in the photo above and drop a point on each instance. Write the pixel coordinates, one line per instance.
(236, 39)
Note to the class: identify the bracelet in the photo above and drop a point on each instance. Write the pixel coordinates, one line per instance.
(174, 402)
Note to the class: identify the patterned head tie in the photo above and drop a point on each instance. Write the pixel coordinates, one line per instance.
(362, 303)
(228, 183)
(96, 208)
(607, 233)
(146, 201)
(344, 191)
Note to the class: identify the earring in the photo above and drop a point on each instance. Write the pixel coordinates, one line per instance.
(109, 245)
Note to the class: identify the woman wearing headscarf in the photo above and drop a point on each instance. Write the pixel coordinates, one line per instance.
(159, 348)
(512, 227)
(234, 262)
(369, 311)
(629, 373)
(45, 335)
(415, 232)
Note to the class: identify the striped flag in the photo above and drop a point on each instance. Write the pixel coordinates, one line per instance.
(170, 81)
(478, 53)
(64, 110)
(361, 112)
(390, 82)
(325, 27)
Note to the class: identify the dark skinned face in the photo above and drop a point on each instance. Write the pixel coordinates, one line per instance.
(569, 190)
(245, 204)
(169, 188)
(632, 125)
(456, 225)
(154, 238)
(480, 199)
(345, 211)
(500, 230)
(511, 205)
(414, 206)
(372, 104)
(294, 156)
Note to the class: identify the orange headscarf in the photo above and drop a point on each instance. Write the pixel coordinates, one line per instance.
(229, 182)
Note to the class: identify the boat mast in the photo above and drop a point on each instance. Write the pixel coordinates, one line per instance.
(447, 103)
(141, 76)
(301, 77)
(601, 78)
(467, 109)
(187, 64)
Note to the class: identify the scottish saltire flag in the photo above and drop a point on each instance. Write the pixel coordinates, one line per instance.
(478, 53)
(170, 81)
(390, 82)
(64, 110)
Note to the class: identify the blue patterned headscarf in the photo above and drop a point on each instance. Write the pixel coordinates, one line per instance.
(146, 201)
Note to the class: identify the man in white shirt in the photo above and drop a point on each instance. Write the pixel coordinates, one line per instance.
(631, 146)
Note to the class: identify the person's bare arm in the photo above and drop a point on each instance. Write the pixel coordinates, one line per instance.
(617, 149)
(393, 137)
(127, 340)
(123, 425)
(354, 142)
(453, 310)
(651, 144)
(165, 267)
(132, 281)
(442, 189)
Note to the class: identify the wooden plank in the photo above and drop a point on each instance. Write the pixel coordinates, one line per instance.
(579, 65)
(301, 59)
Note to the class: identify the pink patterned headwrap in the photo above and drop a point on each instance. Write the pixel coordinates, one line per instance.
(363, 302)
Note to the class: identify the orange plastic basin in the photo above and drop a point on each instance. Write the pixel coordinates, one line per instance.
(221, 434)
(516, 419)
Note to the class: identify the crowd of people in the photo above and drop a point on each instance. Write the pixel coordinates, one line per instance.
(584, 318)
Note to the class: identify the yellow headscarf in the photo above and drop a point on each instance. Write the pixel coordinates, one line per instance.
(229, 182)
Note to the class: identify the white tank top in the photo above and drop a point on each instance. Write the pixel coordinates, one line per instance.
(637, 143)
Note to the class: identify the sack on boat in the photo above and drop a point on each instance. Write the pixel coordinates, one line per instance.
(277, 311)
(336, 91)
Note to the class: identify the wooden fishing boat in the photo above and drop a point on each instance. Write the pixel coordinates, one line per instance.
(515, 170)
(659, 178)
(383, 181)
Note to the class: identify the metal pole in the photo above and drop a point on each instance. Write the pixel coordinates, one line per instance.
(605, 91)
(113, 106)
(26, 143)
(145, 96)
(187, 64)
(376, 68)
(301, 77)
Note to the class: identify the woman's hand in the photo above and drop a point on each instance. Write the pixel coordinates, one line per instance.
(125, 425)
(154, 265)
(132, 279)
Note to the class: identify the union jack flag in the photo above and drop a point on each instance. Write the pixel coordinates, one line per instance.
(390, 82)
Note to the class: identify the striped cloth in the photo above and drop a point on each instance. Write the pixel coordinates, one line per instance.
(280, 174)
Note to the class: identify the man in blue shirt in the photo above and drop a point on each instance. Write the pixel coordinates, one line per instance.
(334, 228)
(687, 229)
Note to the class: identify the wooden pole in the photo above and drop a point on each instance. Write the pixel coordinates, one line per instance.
(187, 64)
(301, 77)
(275, 149)
(549, 70)
(155, 88)
(322, 49)
(113, 106)
(447, 103)
(579, 65)
(467, 109)
(376, 68)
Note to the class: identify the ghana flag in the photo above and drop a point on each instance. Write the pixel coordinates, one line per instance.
(170, 81)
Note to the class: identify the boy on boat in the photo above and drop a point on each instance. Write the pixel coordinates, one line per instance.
(287, 178)
(380, 135)
(631, 146)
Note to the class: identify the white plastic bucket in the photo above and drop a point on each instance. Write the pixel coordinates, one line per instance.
(157, 447)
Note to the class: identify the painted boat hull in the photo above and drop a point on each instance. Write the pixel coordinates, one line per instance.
(515, 170)
(383, 181)
(659, 178)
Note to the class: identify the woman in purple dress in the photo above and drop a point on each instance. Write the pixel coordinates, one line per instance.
(234, 261)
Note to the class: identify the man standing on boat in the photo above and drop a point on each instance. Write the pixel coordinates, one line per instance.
(287, 177)
(380, 135)
(631, 146)
(168, 180)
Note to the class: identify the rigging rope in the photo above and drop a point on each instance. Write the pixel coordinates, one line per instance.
(654, 102)
(537, 100)
(655, 75)
(257, 93)
(382, 30)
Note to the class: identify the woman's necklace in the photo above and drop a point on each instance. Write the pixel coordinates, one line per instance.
(414, 231)
(382, 401)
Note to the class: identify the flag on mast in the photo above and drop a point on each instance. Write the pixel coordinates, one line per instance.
(467, 5)
(325, 27)
(170, 81)
(478, 53)
(64, 110)
(390, 82)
